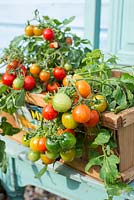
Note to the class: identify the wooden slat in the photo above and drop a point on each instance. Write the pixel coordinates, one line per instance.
(116, 121)
(35, 99)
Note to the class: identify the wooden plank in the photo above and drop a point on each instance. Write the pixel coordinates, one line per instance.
(116, 121)
(35, 99)
(128, 175)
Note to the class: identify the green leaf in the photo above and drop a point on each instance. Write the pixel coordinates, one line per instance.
(92, 162)
(2, 147)
(122, 103)
(57, 22)
(20, 98)
(3, 159)
(46, 17)
(103, 137)
(118, 188)
(109, 171)
(7, 128)
(67, 29)
(68, 21)
(112, 59)
(41, 172)
(3, 88)
(114, 159)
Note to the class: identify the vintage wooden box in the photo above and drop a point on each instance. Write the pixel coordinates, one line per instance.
(122, 125)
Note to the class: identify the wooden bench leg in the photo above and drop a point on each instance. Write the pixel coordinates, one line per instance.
(10, 182)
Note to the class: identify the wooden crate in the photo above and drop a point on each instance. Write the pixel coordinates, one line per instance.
(122, 125)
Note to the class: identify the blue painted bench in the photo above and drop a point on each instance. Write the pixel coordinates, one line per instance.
(60, 180)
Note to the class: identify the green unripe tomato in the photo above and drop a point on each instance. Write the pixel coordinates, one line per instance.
(33, 156)
(61, 102)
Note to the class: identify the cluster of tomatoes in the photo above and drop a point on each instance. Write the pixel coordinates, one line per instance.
(16, 76)
(19, 77)
(71, 107)
(47, 33)
(48, 149)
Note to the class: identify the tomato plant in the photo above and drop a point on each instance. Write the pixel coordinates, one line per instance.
(48, 112)
(61, 102)
(81, 113)
(59, 73)
(29, 82)
(7, 79)
(48, 34)
(68, 121)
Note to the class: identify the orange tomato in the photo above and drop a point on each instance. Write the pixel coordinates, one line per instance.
(83, 88)
(44, 75)
(37, 31)
(35, 69)
(29, 30)
(81, 113)
(45, 159)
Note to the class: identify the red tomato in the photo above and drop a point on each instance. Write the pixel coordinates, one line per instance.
(53, 87)
(69, 40)
(48, 112)
(29, 83)
(12, 66)
(54, 45)
(22, 69)
(7, 79)
(38, 144)
(59, 73)
(42, 144)
(81, 113)
(48, 34)
(94, 119)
